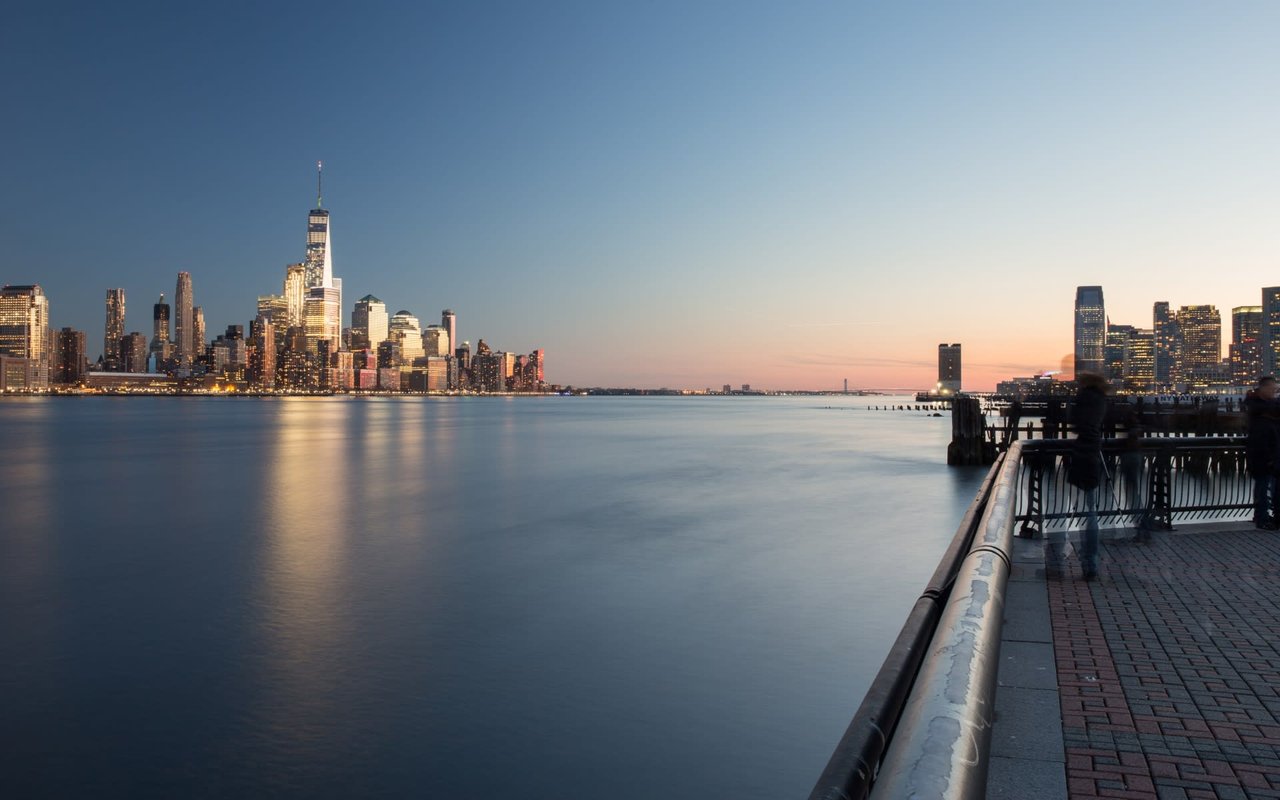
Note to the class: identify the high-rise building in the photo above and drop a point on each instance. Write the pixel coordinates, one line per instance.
(319, 263)
(161, 347)
(114, 331)
(1164, 329)
(1139, 360)
(1244, 354)
(435, 341)
(70, 360)
(1113, 352)
(133, 352)
(198, 340)
(295, 294)
(368, 323)
(323, 318)
(449, 321)
(24, 334)
(948, 369)
(1200, 334)
(1090, 329)
(184, 320)
(1269, 339)
(404, 331)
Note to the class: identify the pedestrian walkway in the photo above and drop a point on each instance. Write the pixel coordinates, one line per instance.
(1160, 680)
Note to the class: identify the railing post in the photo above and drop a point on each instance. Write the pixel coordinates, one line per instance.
(1161, 488)
(1034, 523)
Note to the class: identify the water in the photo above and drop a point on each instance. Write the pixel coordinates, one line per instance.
(470, 598)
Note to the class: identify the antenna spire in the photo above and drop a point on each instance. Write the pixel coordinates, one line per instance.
(319, 184)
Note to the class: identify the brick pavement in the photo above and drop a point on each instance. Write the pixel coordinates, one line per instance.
(1169, 667)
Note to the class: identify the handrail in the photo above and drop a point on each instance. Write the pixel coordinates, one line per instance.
(852, 767)
(941, 747)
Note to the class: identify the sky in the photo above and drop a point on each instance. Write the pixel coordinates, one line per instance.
(663, 194)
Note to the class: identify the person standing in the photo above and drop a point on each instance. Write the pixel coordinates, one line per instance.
(1262, 448)
(1086, 469)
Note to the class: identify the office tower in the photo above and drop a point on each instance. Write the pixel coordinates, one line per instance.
(1165, 332)
(1138, 370)
(183, 321)
(24, 334)
(435, 341)
(538, 362)
(1244, 354)
(1113, 352)
(449, 321)
(1269, 339)
(319, 263)
(274, 307)
(1090, 329)
(948, 368)
(295, 294)
(133, 352)
(323, 318)
(508, 361)
(463, 354)
(198, 340)
(1200, 334)
(368, 323)
(70, 359)
(404, 331)
(261, 352)
(114, 330)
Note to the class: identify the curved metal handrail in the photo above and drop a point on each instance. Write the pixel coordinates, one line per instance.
(852, 768)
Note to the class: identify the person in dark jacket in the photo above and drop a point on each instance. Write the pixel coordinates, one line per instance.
(1086, 471)
(1262, 451)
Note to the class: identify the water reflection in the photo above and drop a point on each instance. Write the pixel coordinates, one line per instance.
(304, 617)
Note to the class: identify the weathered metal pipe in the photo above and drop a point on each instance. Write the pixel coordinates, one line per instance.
(942, 743)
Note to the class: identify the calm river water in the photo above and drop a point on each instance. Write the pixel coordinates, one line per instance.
(453, 598)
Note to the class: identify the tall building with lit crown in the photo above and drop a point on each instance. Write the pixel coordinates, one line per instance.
(24, 334)
(1200, 332)
(322, 306)
(184, 320)
(1269, 337)
(111, 356)
(948, 368)
(1090, 329)
(1245, 351)
(160, 345)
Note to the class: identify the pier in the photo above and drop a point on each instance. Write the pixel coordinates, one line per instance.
(1161, 679)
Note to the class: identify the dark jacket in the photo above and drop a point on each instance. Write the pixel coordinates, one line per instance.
(1085, 470)
(1262, 448)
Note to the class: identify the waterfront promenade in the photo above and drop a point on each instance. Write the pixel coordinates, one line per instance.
(1160, 680)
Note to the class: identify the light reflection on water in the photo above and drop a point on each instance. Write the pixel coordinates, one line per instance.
(455, 598)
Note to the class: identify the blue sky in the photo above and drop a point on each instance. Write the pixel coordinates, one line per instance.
(678, 194)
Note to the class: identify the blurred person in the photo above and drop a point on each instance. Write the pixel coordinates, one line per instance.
(1085, 471)
(1262, 449)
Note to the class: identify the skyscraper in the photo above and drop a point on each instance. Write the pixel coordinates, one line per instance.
(114, 330)
(1200, 330)
(322, 306)
(133, 353)
(1164, 330)
(1113, 352)
(295, 294)
(1091, 329)
(160, 346)
(24, 332)
(1139, 360)
(183, 320)
(323, 318)
(1270, 334)
(69, 356)
(319, 263)
(1245, 351)
(449, 321)
(198, 341)
(435, 341)
(948, 368)
(369, 323)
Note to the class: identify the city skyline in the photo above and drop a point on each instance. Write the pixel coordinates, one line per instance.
(797, 196)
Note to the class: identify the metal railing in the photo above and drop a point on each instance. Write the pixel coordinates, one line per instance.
(1151, 481)
(923, 729)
